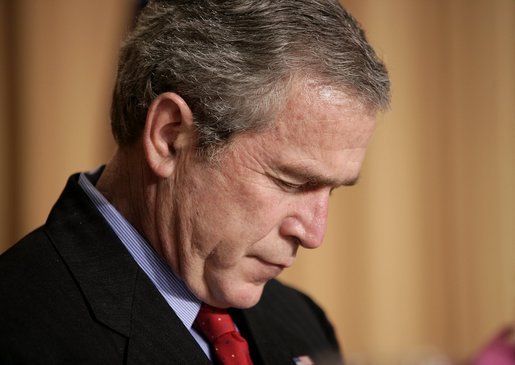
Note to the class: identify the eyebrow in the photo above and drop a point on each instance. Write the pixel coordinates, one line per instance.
(304, 174)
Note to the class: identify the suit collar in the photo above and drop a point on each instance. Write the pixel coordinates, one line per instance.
(157, 329)
(173, 290)
(118, 293)
(104, 271)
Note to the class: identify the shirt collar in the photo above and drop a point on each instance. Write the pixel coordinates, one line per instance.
(185, 305)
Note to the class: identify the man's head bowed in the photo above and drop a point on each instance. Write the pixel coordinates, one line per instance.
(234, 62)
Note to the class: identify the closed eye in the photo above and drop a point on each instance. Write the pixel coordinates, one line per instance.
(295, 187)
(286, 185)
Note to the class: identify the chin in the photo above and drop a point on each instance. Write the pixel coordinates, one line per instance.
(242, 296)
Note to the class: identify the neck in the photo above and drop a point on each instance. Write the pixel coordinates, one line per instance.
(128, 185)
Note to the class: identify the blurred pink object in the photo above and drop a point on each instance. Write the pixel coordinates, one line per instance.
(500, 351)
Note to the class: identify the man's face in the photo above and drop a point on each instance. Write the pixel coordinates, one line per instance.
(239, 223)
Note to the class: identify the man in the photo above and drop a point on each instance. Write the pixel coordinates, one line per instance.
(234, 121)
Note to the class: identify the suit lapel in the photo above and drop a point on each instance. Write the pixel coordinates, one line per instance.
(157, 335)
(119, 294)
(103, 269)
(268, 340)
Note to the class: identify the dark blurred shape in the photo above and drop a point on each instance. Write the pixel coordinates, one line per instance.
(140, 4)
(500, 351)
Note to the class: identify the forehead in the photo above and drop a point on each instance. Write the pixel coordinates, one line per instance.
(319, 132)
(324, 118)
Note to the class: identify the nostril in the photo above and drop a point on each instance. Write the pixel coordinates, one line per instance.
(296, 241)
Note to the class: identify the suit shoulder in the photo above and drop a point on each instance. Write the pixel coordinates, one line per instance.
(25, 253)
(298, 306)
(291, 321)
(294, 294)
(30, 270)
(278, 292)
(42, 308)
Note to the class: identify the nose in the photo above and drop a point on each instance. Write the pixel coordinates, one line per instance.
(307, 220)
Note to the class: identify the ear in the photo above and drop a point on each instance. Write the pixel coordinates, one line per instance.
(168, 133)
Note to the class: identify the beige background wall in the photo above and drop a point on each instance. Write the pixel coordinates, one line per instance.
(419, 258)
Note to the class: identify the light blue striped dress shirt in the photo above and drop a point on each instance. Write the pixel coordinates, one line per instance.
(173, 289)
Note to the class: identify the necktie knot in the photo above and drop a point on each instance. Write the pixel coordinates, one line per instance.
(214, 322)
(217, 327)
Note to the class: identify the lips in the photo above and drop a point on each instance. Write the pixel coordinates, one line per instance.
(281, 265)
(264, 269)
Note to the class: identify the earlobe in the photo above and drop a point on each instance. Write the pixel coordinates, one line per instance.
(168, 133)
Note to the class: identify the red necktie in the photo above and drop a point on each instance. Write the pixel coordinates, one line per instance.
(217, 327)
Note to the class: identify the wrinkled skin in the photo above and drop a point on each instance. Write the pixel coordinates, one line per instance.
(229, 227)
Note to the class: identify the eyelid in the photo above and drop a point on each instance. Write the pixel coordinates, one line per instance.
(291, 185)
(287, 185)
(297, 186)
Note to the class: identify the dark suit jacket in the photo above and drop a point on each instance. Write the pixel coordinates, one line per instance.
(70, 293)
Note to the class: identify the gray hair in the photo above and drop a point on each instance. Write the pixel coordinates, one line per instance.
(232, 61)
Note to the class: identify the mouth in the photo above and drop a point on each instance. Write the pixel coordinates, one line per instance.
(279, 265)
(266, 270)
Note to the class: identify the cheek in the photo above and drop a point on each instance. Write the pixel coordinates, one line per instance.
(225, 255)
(258, 210)
(231, 209)
(236, 201)
(229, 225)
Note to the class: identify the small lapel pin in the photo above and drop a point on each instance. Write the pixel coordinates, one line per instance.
(303, 360)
